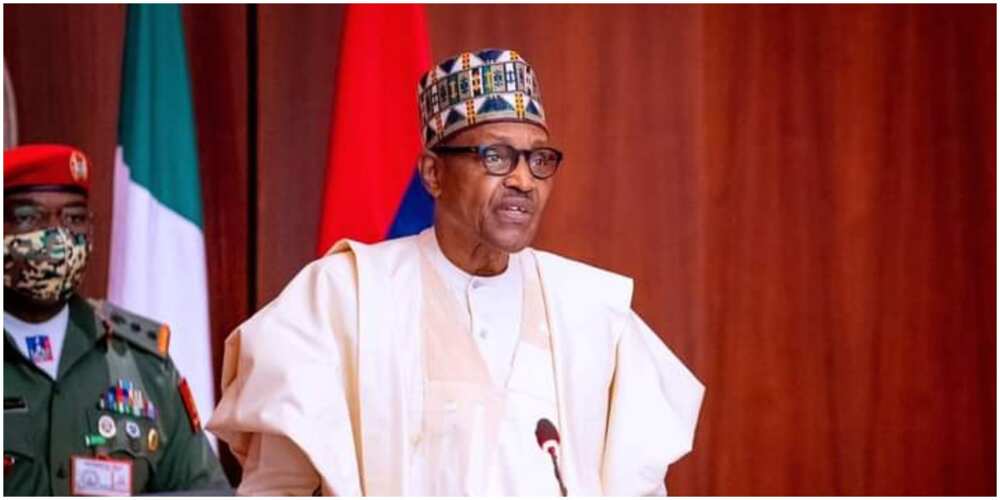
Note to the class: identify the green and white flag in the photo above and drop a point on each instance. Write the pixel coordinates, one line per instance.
(157, 238)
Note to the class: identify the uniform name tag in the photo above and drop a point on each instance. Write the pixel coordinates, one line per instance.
(101, 477)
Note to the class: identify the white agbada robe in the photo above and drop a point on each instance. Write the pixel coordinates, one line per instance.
(327, 387)
(493, 304)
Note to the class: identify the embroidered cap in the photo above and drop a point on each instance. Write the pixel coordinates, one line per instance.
(477, 87)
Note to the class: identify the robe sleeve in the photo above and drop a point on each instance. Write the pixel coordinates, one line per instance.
(275, 466)
(287, 382)
(653, 412)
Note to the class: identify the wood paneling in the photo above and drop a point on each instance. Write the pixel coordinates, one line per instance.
(847, 259)
(214, 35)
(297, 51)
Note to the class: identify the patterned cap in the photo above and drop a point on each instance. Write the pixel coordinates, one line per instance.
(45, 166)
(477, 87)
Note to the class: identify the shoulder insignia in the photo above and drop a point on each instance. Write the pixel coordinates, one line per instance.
(139, 331)
(192, 410)
(163, 339)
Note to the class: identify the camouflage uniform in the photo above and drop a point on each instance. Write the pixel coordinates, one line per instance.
(46, 422)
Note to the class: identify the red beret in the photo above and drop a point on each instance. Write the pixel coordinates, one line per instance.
(46, 166)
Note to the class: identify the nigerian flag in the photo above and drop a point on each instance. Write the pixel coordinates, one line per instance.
(157, 238)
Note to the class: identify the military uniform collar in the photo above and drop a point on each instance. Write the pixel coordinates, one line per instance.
(80, 338)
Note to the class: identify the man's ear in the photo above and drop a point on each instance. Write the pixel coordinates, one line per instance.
(430, 167)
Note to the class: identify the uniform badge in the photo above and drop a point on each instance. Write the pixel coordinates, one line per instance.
(39, 348)
(153, 440)
(189, 405)
(100, 476)
(78, 167)
(106, 426)
(124, 398)
(132, 429)
(92, 441)
(163, 339)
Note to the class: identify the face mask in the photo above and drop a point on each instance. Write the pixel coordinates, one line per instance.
(46, 265)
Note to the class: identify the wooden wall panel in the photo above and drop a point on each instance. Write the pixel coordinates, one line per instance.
(848, 251)
(297, 51)
(214, 35)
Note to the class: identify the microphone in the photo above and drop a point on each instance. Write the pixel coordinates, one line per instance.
(548, 441)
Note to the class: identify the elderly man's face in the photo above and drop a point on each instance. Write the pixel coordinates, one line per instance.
(501, 211)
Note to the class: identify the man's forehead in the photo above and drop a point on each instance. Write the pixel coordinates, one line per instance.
(504, 132)
(45, 199)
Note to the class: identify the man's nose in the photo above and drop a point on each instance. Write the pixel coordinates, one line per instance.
(521, 178)
(52, 220)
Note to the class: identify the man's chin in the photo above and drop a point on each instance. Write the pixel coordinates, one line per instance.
(511, 241)
(17, 297)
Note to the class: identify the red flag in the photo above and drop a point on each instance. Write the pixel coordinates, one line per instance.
(375, 131)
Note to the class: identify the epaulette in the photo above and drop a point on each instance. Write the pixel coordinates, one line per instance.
(140, 331)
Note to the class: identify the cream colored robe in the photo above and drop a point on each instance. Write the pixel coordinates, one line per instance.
(322, 387)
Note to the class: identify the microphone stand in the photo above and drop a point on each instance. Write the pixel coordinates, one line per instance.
(555, 468)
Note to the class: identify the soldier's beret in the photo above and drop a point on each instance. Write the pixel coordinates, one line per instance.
(45, 167)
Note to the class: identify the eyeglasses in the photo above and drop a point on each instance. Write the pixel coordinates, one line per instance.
(502, 159)
(27, 218)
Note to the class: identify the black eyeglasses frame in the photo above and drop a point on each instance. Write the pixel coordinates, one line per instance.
(480, 151)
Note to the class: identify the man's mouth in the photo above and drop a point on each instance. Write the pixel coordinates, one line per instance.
(517, 212)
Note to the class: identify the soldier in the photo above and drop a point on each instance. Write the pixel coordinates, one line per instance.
(92, 402)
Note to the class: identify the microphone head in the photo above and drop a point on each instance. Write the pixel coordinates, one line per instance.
(545, 432)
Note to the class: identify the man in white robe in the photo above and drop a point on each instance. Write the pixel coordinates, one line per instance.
(433, 364)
